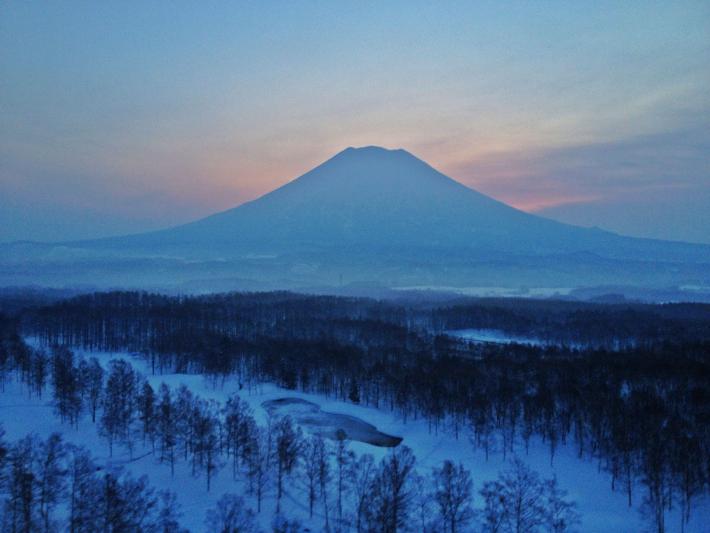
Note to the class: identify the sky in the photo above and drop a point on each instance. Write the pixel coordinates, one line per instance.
(121, 117)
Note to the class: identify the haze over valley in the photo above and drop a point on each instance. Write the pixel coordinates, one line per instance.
(368, 217)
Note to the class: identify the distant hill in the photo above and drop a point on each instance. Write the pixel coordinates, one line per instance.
(367, 215)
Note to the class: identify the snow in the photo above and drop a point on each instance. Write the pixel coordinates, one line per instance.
(601, 509)
(494, 336)
(492, 291)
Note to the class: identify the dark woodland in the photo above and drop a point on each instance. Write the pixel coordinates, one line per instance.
(626, 383)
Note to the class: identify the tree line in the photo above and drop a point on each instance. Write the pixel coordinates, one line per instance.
(250, 315)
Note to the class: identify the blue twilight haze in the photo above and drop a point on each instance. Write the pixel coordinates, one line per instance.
(119, 117)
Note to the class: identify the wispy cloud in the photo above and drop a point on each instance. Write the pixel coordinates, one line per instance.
(542, 178)
(655, 185)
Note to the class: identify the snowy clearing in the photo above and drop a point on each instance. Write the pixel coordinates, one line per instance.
(494, 336)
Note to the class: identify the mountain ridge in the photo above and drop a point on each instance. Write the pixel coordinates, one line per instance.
(372, 195)
(356, 178)
(383, 215)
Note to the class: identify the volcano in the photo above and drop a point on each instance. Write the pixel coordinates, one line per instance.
(372, 215)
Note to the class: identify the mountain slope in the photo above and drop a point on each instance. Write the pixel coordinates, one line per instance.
(373, 197)
(370, 214)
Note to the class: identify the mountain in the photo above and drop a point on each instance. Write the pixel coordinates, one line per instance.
(372, 215)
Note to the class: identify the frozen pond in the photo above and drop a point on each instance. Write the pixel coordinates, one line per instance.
(310, 416)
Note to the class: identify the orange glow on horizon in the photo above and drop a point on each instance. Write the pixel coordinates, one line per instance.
(534, 205)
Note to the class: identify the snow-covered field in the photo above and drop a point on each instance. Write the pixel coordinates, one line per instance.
(494, 336)
(493, 292)
(601, 509)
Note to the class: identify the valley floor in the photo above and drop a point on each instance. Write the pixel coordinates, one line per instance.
(601, 509)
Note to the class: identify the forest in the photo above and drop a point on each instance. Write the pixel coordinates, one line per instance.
(627, 384)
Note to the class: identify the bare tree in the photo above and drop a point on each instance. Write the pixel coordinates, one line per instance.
(657, 480)
(92, 380)
(67, 390)
(362, 475)
(392, 490)
(84, 492)
(452, 492)
(561, 514)
(119, 404)
(343, 458)
(211, 451)
(20, 507)
(525, 497)
(495, 512)
(183, 409)
(40, 370)
(520, 502)
(258, 463)
(205, 434)
(166, 427)
(147, 412)
(309, 460)
(236, 414)
(231, 515)
(323, 456)
(422, 502)
(127, 504)
(51, 478)
(168, 517)
(288, 446)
